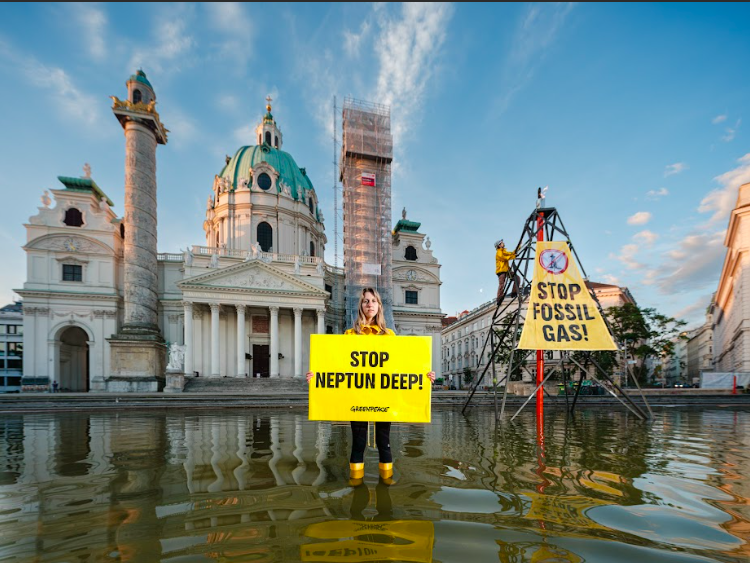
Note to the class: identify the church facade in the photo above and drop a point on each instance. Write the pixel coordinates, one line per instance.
(241, 304)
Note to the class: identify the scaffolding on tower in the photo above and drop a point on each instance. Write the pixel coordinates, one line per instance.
(366, 157)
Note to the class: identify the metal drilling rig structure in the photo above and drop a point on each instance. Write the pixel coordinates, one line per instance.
(366, 156)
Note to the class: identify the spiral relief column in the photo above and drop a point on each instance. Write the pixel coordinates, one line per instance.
(138, 350)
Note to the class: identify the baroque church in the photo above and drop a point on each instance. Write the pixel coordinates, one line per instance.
(242, 304)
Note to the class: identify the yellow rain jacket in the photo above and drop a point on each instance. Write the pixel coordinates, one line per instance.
(371, 329)
(502, 257)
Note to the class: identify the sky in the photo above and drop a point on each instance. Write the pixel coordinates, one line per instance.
(633, 115)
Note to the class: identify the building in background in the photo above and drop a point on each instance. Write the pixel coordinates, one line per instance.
(11, 347)
(731, 331)
(241, 304)
(700, 349)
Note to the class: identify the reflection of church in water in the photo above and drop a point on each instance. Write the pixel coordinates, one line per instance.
(244, 303)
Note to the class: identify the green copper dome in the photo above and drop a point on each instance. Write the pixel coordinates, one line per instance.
(140, 76)
(242, 163)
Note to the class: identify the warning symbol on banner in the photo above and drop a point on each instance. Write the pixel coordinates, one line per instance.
(561, 314)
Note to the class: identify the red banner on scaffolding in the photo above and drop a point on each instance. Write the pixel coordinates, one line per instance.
(368, 179)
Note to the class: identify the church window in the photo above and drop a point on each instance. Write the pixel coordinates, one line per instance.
(276, 141)
(264, 181)
(73, 218)
(329, 289)
(412, 298)
(268, 137)
(411, 253)
(310, 205)
(72, 272)
(137, 96)
(265, 237)
(312, 248)
(122, 231)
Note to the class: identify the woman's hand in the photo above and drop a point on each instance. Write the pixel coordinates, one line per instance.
(309, 376)
(431, 375)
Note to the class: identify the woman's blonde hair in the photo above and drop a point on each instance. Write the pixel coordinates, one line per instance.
(379, 319)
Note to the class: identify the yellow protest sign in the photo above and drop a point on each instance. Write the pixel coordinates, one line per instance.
(370, 378)
(393, 540)
(561, 314)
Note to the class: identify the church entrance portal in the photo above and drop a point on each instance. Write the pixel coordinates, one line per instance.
(74, 360)
(260, 360)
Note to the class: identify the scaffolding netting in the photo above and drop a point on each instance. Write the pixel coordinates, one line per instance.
(366, 156)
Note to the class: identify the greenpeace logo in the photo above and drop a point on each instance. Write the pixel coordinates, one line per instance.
(369, 409)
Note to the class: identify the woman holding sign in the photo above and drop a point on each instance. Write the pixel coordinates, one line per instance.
(371, 322)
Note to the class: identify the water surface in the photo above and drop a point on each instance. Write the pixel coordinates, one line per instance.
(272, 486)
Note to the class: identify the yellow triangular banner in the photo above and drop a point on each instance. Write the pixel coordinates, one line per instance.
(561, 314)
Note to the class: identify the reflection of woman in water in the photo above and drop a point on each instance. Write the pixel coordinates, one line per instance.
(370, 321)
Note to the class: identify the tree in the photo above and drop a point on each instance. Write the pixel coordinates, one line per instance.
(468, 375)
(504, 334)
(643, 334)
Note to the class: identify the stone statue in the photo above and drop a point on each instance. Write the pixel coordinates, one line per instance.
(427, 243)
(319, 267)
(296, 265)
(188, 256)
(256, 249)
(214, 260)
(103, 204)
(403, 213)
(87, 170)
(243, 183)
(209, 203)
(46, 199)
(176, 358)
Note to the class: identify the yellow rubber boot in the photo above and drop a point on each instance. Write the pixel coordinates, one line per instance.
(356, 473)
(386, 472)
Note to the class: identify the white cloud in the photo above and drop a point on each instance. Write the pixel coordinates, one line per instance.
(610, 279)
(647, 238)
(627, 257)
(694, 264)
(228, 102)
(640, 218)
(656, 194)
(534, 36)
(352, 40)
(719, 119)
(94, 23)
(407, 49)
(675, 168)
(173, 42)
(695, 313)
(182, 128)
(235, 30)
(731, 132)
(721, 201)
(245, 135)
(74, 104)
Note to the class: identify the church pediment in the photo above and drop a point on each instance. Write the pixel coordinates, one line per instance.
(255, 276)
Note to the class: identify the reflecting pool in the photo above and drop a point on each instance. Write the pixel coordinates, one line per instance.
(261, 485)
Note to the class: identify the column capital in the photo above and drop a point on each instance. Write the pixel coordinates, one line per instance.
(321, 311)
(240, 308)
(215, 307)
(297, 311)
(188, 305)
(274, 309)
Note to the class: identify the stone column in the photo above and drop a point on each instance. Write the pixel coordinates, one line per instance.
(215, 372)
(240, 340)
(274, 341)
(321, 321)
(140, 230)
(189, 360)
(298, 342)
(138, 354)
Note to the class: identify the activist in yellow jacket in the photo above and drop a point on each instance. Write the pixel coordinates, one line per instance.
(502, 257)
(370, 322)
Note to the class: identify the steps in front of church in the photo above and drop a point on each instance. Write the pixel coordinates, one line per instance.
(246, 385)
